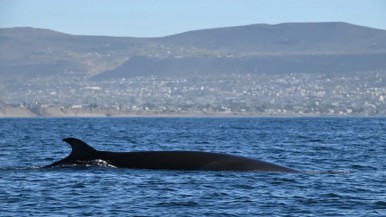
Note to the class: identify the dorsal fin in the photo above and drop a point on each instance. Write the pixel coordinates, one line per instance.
(80, 149)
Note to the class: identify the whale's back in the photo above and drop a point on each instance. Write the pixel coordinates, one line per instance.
(167, 160)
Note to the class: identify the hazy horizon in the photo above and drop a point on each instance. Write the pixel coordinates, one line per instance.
(162, 18)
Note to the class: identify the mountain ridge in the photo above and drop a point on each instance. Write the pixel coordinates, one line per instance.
(26, 52)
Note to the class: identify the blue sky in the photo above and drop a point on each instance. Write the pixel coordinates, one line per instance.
(152, 18)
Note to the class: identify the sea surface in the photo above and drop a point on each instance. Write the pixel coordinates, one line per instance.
(343, 160)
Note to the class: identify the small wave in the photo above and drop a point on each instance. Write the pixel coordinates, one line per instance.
(380, 205)
(20, 168)
(92, 163)
(178, 204)
(102, 163)
(344, 172)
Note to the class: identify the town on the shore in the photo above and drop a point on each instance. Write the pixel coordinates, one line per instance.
(359, 94)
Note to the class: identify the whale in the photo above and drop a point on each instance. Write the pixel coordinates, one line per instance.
(82, 154)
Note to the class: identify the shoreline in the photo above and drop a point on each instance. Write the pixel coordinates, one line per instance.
(23, 112)
(202, 115)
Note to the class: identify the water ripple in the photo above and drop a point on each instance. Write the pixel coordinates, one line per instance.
(344, 157)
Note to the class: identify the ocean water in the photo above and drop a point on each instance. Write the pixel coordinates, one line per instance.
(343, 160)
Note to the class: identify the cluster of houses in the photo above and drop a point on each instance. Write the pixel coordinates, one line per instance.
(362, 93)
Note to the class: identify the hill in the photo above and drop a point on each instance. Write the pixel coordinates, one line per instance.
(286, 39)
(331, 47)
(30, 52)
